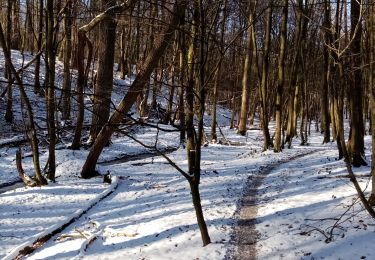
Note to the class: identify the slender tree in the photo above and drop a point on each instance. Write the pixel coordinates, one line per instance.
(281, 76)
(247, 70)
(264, 81)
(356, 135)
(66, 89)
(104, 80)
(51, 50)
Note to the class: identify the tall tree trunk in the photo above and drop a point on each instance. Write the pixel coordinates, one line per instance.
(104, 80)
(201, 91)
(29, 30)
(247, 70)
(37, 88)
(135, 90)
(324, 104)
(168, 115)
(16, 33)
(356, 136)
(50, 84)
(190, 130)
(8, 73)
(30, 116)
(264, 81)
(124, 52)
(182, 79)
(281, 76)
(218, 74)
(294, 74)
(66, 89)
(371, 31)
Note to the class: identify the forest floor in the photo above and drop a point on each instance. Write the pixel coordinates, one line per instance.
(305, 207)
(301, 204)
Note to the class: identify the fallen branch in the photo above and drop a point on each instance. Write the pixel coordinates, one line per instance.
(40, 239)
(90, 238)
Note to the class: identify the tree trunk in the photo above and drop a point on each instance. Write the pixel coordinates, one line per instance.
(104, 80)
(264, 81)
(356, 136)
(190, 130)
(218, 74)
(371, 31)
(66, 89)
(242, 126)
(8, 74)
(324, 105)
(182, 79)
(294, 74)
(37, 88)
(281, 76)
(31, 125)
(50, 84)
(127, 102)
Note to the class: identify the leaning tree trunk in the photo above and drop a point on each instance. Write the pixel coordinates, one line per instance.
(80, 55)
(134, 91)
(31, 127)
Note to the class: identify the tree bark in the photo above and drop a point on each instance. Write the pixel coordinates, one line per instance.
(189, 121)
(51, 49)
(294, 74)
(264, 84)
(218, 74)
(371, 31)
(104, 80)
(242, 126)
(281, 77)
(356, 136)
(127, 102)
(31, 127)
(324, 104)
(37, 88)
(66, 89)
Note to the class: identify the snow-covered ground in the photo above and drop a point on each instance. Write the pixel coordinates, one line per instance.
(307, 208)
(150, 214)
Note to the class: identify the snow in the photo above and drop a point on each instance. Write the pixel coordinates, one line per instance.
(147, 213)
(150, 214)
(309, 209)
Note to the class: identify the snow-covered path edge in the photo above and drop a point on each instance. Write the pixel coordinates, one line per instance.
(245, 236)
(39, 239)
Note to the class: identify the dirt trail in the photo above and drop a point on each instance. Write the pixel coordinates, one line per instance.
(245, 235)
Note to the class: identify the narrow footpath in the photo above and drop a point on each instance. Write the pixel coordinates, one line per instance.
(245, 235)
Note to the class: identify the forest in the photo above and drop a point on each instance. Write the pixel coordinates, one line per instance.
(176, 129)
